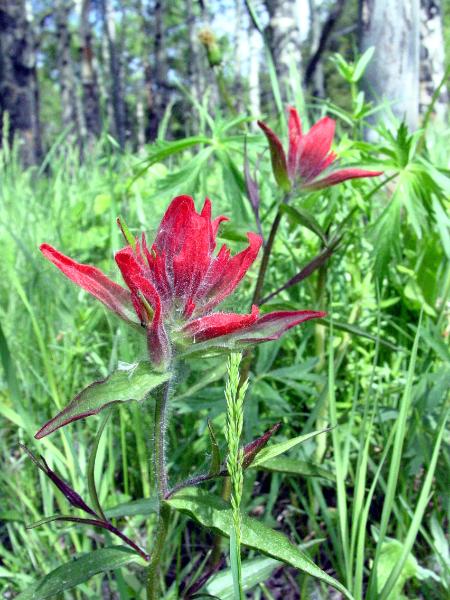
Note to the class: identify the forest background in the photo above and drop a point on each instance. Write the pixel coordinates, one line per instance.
(114, 107)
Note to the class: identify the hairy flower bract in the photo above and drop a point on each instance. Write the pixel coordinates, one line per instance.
(175, 284)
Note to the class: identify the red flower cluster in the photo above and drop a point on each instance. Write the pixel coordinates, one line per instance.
(309, 161)
(174, 285)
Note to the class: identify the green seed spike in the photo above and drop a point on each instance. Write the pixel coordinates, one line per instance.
(148, 309)
(129, 237)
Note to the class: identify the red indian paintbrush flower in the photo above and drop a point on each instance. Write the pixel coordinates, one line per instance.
(174, 285)
(310, 160)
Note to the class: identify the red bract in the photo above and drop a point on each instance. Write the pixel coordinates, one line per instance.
(309, 162)
(174, 285)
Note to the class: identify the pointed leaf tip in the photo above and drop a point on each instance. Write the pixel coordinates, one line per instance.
(278, 157)
(124, 385)
(252, 449)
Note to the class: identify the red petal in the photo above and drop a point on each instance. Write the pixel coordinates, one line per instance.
(314, 148)
(91, 279)
(338, 176)
(295, 135)
(213, 226)
(157, 266)
(278, 157)
(226, 272)
(173, 228)
(218, 324)
(273, 325)
(135, 278)
(186, 239)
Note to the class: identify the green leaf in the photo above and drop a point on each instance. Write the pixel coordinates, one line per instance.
(128, 382)
(390, 554)
(386, 236)
(354, 330)
(254, 571)
(145, 506)
(362, 63)
(292, 466)
(71, 574)
(276, 449)
(91, 465)
(303, 217)
(162, 150)
(213, 513)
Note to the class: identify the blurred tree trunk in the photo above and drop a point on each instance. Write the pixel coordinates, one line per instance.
(432, 57)
(146, 99)
(19, 94)
(283, 35)
(89, 80)
(316, 77)
(159, 70)
(254, 84)
(71, 114)
(320, 36)
(392, 27)
(195, 75)
(240, 52)
(115, 72)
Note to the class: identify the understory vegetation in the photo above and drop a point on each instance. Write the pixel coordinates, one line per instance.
(368, 499)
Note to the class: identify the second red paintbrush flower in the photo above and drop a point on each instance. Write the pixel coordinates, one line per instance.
(174, 285)
(309, 163)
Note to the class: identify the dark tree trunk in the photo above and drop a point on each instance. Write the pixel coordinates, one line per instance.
(159, 71)
(115, 72)
(392, 27)
(71, 113)
(145, 99)
(195, 75)
(432, 57)
(91, 98)
(314, 71)
(19, 94)
(283, 35)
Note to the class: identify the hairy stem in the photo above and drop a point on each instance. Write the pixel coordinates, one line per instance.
(159, 456)
(153, 591)
(159, 440)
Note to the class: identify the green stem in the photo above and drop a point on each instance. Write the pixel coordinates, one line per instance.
(159, 456)
(159, 441)
(259, 287)
(319, 340)
(257, 294)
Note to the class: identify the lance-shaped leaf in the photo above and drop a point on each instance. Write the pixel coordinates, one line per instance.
(308, 270)
(77, 501)
(252, 449)
(300, 216)
(95, 523)
(213, 513)
(72, 496)
(277, 449)
(252, 190)
(77, 571)
(130, 382)
(278, 158)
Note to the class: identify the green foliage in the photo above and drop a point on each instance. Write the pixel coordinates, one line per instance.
(381, 480)
(213, 513)
(79, 570)
(128, 382)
